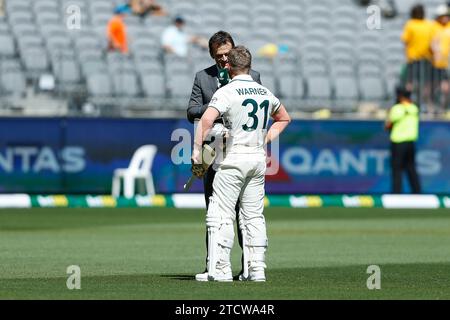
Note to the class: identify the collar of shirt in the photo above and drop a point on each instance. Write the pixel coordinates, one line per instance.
(245, 77)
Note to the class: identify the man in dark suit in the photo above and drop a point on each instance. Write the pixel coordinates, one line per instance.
(206, 84)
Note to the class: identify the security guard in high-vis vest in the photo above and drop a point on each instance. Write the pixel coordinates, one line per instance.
(403, 124)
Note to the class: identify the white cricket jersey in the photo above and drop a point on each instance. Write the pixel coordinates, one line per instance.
(247, 107)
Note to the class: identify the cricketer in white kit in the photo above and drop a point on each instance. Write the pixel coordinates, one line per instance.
(246, 106)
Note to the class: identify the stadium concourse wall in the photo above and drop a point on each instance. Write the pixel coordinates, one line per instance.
(77, 156)
(196, 201)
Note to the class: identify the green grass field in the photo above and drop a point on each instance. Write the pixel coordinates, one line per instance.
(154, 253)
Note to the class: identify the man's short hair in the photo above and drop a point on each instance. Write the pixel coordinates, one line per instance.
(402, 92)
(418, 12)
(179, 19)
(240, 59)
(218, 39)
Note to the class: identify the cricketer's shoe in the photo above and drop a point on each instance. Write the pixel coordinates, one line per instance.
(221, 276)
(256, 275)
(202, 277)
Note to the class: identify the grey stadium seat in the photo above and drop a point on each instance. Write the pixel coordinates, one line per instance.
(18, 17)
(48, 30)
(372, 87)
(180, 85)
(121, 66)
(264, 9)
(102, 19)
(100, 6)
(93, 66)
(7, 46)
(346, 87)
(57, 43)
(269, 80)
(45, 18)
(262, 65)
(99, 85)
(153, 85)
(87, 43)
(79, 3)
(35, 60)
(265, 22)
(210, 7)
(146, 45)
(369, 67)
(291, 10)
(144, 65)
(23, 29)
(291, 23)
(9, 64)
(45, 6)
(291, 85)
(174, 64)
(17, 5)
(319, 87)
(237, 21)
(13, 83)
(26, 42)
(312, 66)
(66, 70)
(4, 28)
(125, 84)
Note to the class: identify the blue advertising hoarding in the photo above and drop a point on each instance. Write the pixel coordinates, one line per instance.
(70, 156)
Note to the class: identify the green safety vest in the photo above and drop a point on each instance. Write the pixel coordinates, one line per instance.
(405, 123)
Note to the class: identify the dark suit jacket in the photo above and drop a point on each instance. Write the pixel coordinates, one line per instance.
(205, 85)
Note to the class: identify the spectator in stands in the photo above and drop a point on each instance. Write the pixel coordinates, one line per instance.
(143, 8)
(403, 124)
(176, 41)
(417, 36)
(440, 48)
(388, 8)
(117, 32)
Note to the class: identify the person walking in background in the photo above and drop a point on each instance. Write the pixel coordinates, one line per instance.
(117, 32)
(417, 35)
(440, 47)
(403, 124)
(175, 40)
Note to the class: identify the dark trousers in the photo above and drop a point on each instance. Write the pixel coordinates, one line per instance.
(208, 180)
(403, 159)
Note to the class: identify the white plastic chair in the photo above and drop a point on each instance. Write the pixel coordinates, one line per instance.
(140, 168)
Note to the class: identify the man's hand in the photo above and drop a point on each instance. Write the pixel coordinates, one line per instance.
(196, 155)
(388, 126)
(202, 160)
(197, 166)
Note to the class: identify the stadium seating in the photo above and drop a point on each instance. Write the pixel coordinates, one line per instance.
(332, 56)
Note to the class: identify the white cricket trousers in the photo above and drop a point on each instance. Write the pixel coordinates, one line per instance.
(242, 177)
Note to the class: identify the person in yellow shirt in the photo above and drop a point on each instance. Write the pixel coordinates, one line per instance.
(440, 47)
(417, 36)
(403, 124)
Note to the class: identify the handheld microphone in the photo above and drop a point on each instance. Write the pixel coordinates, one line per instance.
(224, 77)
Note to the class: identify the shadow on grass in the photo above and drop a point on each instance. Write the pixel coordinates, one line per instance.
(181, 277)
